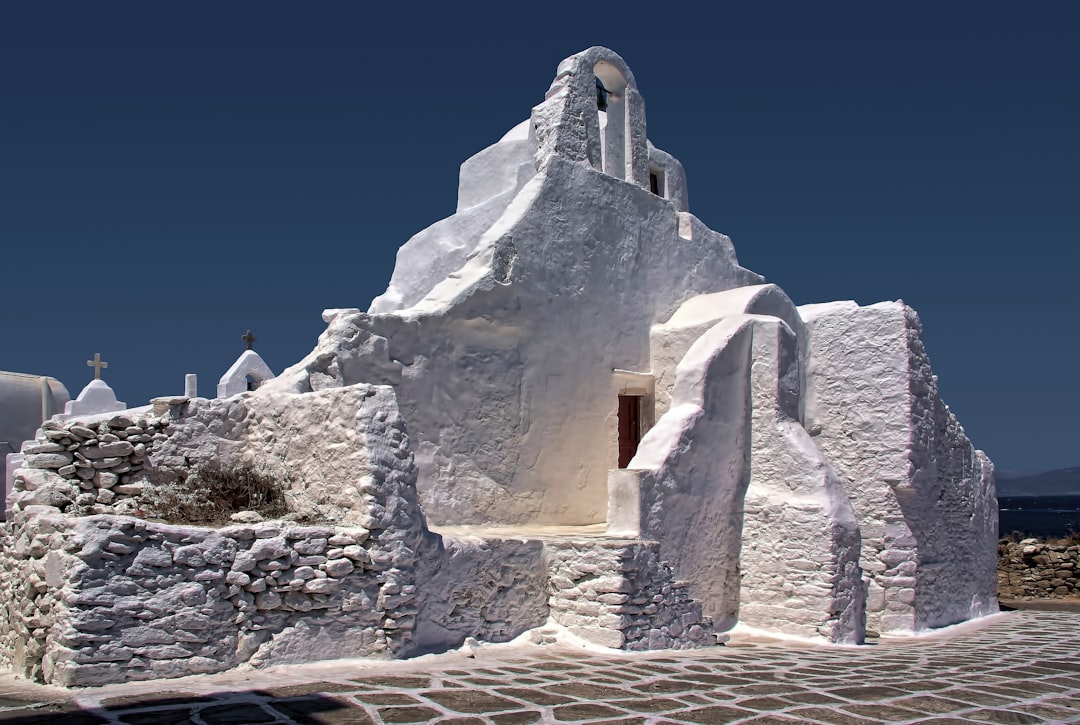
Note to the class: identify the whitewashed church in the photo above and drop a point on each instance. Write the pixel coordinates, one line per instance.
(571, 406)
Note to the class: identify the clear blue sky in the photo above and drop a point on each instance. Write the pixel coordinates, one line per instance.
(174, 174)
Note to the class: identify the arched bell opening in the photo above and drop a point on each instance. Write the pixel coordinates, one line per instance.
(611, 107)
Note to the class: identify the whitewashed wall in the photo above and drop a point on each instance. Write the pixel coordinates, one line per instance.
(923, 495)
(504, 367)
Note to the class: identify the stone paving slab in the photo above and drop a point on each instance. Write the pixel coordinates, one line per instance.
(1015, 668)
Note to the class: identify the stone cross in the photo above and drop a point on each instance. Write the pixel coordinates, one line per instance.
(248, 338)
(98, 364)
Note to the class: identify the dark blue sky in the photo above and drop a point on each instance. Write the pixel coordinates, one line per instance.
(171, 179)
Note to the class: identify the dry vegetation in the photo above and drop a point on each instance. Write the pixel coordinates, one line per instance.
(215, 491)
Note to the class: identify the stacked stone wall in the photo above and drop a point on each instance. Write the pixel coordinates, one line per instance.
(89, 597)
(32, 561)
(105, 599)
(951, 497)
(620, 594)
(1034, 569)
(88, 467)
(799, 585)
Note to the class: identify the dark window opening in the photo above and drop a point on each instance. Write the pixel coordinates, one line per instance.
(656, 181)
(629, 428)
(251, 383)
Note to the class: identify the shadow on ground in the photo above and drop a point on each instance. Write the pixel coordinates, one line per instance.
(231, 708)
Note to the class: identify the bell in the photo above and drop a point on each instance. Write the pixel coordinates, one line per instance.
(601, 95)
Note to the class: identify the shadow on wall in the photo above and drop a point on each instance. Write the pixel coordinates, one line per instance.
(945, 506)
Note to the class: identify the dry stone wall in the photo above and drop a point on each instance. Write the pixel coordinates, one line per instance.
(87, 468)
(104, 599)
(1034, 569)
(618, 593)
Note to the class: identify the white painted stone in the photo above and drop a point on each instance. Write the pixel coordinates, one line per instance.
(795, 504)
(729, 468)
(923, 495)
(235, 379)
(484, 384)
(503, 360)
(695, 468)
(670, 341)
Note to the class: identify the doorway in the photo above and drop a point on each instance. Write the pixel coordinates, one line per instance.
(629, 428)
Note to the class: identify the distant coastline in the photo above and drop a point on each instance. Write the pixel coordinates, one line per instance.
(1059, 482)
(1044, 516)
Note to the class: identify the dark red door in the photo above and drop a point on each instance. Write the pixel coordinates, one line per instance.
(629, 428)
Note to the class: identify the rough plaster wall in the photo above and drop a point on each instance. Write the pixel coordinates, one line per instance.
(742, 502)
(695, 468)
(504, 166)
(669, 342)
(800, 551)
(799, 570)
(674, 185)
(488, 182)
(504, 368)
(567, 123)
(923, 496)
(504, 372)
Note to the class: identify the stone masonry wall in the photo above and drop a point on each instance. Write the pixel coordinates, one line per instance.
(1034, 569)
(101, 599)
(620, 594)
(104, 599)
(917, 484)
(88, 468)
(327, 449)
(89, 597)
(952, 494)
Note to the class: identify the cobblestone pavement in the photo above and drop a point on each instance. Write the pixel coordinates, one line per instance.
(1018, 667)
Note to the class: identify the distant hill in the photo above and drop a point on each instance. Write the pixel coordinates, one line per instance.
(1061, 482)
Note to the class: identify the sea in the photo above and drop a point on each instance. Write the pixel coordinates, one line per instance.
(1043, 516)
